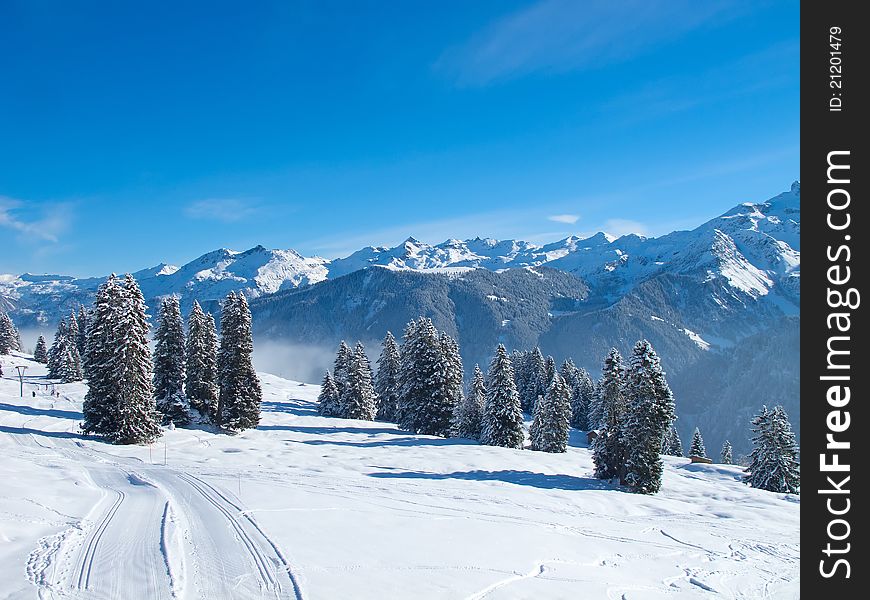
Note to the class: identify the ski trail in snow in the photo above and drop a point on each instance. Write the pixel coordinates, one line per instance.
(539, 570)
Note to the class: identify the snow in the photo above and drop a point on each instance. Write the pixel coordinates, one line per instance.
(703, 345)
(314, 507)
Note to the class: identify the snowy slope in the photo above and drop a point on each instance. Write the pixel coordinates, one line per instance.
(311, 507)
(753, 250)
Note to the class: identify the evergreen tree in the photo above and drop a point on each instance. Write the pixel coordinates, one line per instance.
(81, 341)
(535, 380)
(342, 362)
(57, 353)
(502, 414)
(419, 374)
(672, 444)
(240, 393)
(69, 363)
(8, 334)
(169, 364)
(648, 417)
(697, 448)
(40, 354)
(596, 409)
(136, 420)
(200, 384)
(357, 399)
(607, 449)
(582, 390)
(469, 412)
(549, 431)
(441, 413)
(101, 401)
(387, 380)
(773, 462)
(73, 330)
(328, 401)
(727, 453)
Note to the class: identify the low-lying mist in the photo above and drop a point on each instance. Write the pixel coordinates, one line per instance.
(298, 362)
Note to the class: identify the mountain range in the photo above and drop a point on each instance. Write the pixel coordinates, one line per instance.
(721, 303)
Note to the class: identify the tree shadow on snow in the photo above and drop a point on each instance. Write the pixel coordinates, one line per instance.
(52, 434)
(41, 412)
(293, 407)
(395, 441)
(329, 430)
(538, 480)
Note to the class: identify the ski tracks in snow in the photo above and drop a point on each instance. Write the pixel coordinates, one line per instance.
(158, 533)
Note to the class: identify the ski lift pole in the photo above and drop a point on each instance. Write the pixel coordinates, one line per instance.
(21, 369)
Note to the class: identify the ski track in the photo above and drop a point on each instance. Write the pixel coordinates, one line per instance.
(137, 535)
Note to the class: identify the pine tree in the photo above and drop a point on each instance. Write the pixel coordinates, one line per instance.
(101, 401)
(535, 380)
(57, 352)
(596, 408)
(727, 453)
(582, 389)
(73, 330)
(342, 361)
(40, 354)
(549, 431)
(607, 449)
(697, 448)
(468, 417)
(773, 462)
(502, 414)
(328, 401)
(672, 444)
(421, 378)
(82, 340)
(137, 420)
(357, 399)
(8, 334)
(648, 417)
(200, 384)
(240, 393)
(69, 367)
(169, 364)
(387, 380)
(441, 415)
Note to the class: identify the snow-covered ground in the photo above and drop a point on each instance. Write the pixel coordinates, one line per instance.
(313, 507)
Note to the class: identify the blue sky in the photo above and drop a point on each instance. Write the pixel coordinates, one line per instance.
(139, 133)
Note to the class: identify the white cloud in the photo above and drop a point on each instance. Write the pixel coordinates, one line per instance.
(227, 210)
(564, 35)
(620, 227)
(48, 226)
(570, 219)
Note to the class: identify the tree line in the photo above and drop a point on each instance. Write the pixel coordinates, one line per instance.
(419, 385)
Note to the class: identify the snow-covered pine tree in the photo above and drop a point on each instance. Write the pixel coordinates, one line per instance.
(69, 362)
(7, 334)
(136, 420)
(607, 449)
(595, 409)
(101, 401)
(502, 414)
(240, 393)
(387, 380)
(648, 417)
(73, 330)
(56, 352)
(582, 391)
(169, 364)
(327, 400)
(697, 448)
(200, 384)
(672, 444)
(339, 370)
(469, 412)
(419, 373)
(536, 380)
(439, 414)
(773, 462)
(357, 400)
(727, 453)
(549, 373)
(549, 431)
(40, 354)
(81, 341)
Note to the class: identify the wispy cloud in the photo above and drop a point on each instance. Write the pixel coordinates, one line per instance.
(569, 219)
(42, 223)
(225, 210)
(564, 35)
